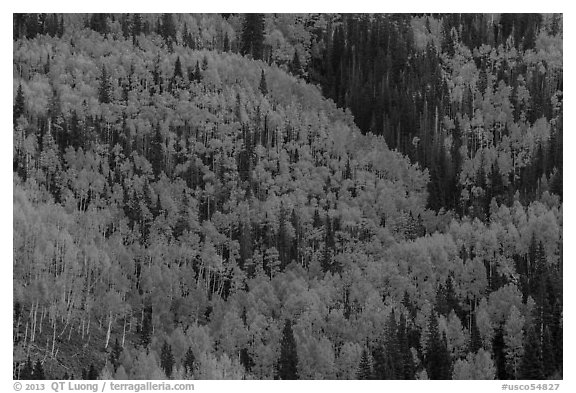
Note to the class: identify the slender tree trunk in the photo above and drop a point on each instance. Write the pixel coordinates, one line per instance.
(109, 329)
(53, 337)
(33, 335)
(42, 318)
(124, 332)
(88, 329)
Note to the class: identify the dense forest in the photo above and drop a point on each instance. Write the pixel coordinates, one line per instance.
(283, 196)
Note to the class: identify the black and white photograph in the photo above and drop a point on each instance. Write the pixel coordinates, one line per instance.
(286, 196)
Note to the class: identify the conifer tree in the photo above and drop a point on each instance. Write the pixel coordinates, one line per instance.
(158, 207)
(513, 337)
(226, 45)
(532, 365)
(136, 25)
(157, 151)
(386, 363)
(178, 68)
(246, 359)
(475, 339)
(316, 220)
(146, 328)
(287, 367)
(60, 32)
(19, 103)
(168, 30)
(92, 373)
(167, 359)
(263, 87)
(441, 301)
(28, 370)
(295, 65)
(348, 171)
(105, 89)
(115, 355)
(197, 73)
(99, 23)
(252, 39)
(125, 26)
(189, 360)
(365, 367)
(438, 362)
(38, 372)
(406, 366)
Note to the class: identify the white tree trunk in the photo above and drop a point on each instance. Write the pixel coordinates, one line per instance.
(109, 329)
(124, 332)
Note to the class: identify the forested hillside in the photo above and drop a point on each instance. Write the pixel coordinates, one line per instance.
(287, 196)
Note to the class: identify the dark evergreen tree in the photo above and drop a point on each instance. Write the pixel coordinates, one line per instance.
(178, 69)
(556, 183)
(316, 220)
(18, 25)
(441, 301)
(157, 151)
(348, 171)
(499, 356)
(197, 73)
(189, 360)
(437, 359)
(475, 339)
(115, 354)
(226, 45)
(365, 366)
(448, 36)
(263, 86)
(92, 373)
(406, 367)
(246, 359)
(295, 65)
(60, 32)
(386, 363)
(157, 210)
(326, 262)
(99, 23)
(496, 183)
(17, 312)
(146, 328)
(38, 372)
(167, 359)
(532, 365)
(168, 29)
(482, 80)
(252, 39)
(18, 103)
(287, 367)
(136, 25)
(28, 370)
(76, 138)
(125, 25)
(105, 88)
